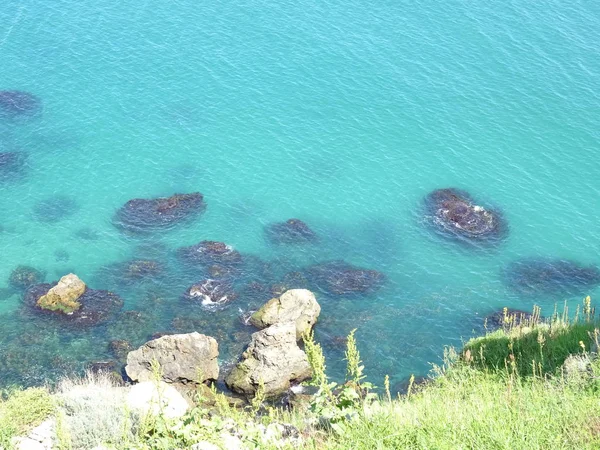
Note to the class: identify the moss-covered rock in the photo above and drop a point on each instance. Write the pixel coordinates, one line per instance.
(64, 296)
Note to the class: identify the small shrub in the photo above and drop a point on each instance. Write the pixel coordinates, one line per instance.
(93, 412)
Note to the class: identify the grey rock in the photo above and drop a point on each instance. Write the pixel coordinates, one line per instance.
(183, 358)
(296, 305)
(272, 358)
(40, 438)
(155, 398)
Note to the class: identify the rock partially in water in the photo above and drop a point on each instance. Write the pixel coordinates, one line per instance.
(54, 209)
(140, 214)
(292, 231)
(207, 253)
(272, 359)
(12, 165)
(24, 276)
(96, 306)
(341, 278)
(297, 305)
(533, 276)
(211, 294)
(19, 105)
(453, 213)
(182, 358)
(64, 297)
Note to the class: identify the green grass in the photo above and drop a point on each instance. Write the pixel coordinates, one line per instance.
(533, 350)
(472, 409)
(505, 390)
(21, 410)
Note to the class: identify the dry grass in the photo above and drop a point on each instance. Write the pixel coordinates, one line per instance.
(93, 411)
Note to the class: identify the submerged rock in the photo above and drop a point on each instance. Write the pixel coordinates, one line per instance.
(54, 209)
(181, 357)
(87, 234)
(454, 213)
(61, 255)
(142, 214)
(19, 104)
(24, 276)
(120, 348)
(64, 297)
(208, 253)
(341, 278)
(298, 306)
(12, 164)
(211, 293)
(292, 231)
(550, 276)
(291, 280)
(133, 271)
(508, 318)
(273, 359)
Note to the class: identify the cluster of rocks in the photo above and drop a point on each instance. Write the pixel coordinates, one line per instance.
(273, 361)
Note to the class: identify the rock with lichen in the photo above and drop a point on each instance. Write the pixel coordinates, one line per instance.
(64, 296)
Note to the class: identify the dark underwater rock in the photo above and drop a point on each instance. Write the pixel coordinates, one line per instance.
(453, 213)
(12, 165)
(132, 325)
(292, 231)
(19, 105)
(87, 234)
(54, 209)
(211, 293)
(508, 318)
(550, 276)
(24, 276)
(142, 214)
(341, 278)
(133, 271)
(207, 253)
(291, 280)
(61, 255)
(120, 348)
(96, 305)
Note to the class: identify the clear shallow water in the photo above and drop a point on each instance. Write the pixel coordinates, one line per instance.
(344, 115)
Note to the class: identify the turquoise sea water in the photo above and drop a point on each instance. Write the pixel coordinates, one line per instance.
(343, 114)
